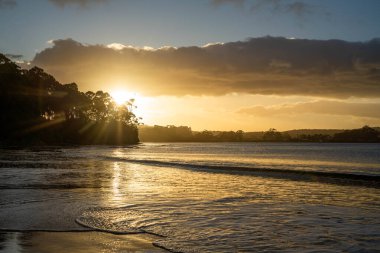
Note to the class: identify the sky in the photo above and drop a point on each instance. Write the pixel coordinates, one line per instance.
(211, 64)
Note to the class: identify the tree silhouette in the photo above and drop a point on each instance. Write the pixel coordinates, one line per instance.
(36, 108)
(272, 135)
(364, 134)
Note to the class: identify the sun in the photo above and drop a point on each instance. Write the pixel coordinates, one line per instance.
(120, 96)
(141, 105)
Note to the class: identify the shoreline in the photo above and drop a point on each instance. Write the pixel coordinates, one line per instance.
(76, 242)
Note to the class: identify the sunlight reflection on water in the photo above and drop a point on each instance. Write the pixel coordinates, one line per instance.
(210, 211)
(116, 183)
(204, 211)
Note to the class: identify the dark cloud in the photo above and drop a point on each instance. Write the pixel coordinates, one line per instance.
(14, 56)
(297, 8)
(327, 107)
(5, 4)
(267, 65)
(79, 3)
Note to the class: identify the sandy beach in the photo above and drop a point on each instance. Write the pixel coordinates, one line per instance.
(75, 242)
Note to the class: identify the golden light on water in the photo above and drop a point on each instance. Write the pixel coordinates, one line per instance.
(116, 182)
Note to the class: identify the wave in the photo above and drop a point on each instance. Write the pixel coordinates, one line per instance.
(79, 230)
(113, 220)
(293, 174)
(79, 221)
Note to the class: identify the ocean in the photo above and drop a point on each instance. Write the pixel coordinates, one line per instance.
(200, 197)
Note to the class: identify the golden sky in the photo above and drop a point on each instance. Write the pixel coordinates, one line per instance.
(254, 84)
(209, 64)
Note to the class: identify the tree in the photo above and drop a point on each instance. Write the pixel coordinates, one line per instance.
(37, 108)
(364, 134)
(272, 135)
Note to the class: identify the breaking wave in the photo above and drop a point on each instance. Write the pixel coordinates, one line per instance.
(309, 175)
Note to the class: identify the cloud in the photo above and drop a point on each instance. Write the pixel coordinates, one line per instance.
(116, 46)
(14, 56)
(267, 66)
(5, 4)
(298, 8)
(327, 107)
(78, 3)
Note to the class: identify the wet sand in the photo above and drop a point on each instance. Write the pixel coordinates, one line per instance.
(75, 242)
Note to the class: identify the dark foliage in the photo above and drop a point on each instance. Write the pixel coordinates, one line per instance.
(37, 109)
(163, 134)
(364, 134)
(183, 133)
(223, 136)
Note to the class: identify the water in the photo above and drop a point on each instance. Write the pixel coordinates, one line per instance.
(214, 197)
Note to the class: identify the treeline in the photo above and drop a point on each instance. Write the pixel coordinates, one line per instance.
(37, 109)
(185, 134)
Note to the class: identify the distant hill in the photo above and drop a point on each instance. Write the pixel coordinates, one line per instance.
(185, 134)
(298, 132)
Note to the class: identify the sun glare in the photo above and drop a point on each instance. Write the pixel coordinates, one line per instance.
(142, 106)
(120, 96)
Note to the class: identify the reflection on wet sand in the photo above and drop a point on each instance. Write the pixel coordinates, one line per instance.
(74, 242)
